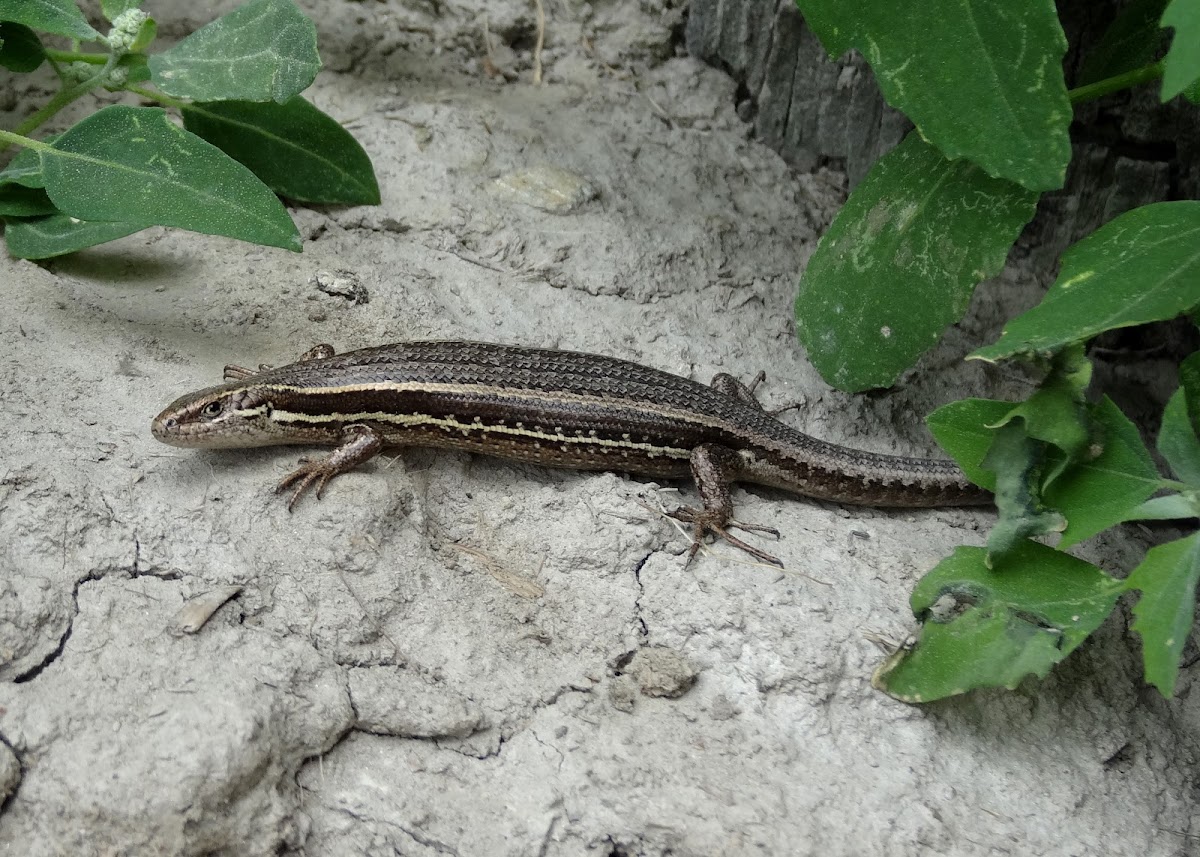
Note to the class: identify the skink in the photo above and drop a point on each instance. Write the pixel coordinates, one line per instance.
(556, 408)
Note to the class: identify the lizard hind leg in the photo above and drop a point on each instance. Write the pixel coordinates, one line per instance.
(725, 383)
(714, 467)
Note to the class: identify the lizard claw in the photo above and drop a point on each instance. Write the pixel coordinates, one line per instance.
(308, 473)
(707, 522)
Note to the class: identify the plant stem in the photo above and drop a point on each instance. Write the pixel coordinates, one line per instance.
(1092, 91)
(161, 98)
(11, 139)
(76, 56)
(60, 100)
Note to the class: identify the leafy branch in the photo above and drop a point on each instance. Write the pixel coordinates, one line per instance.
(984, 85)
(248, 136)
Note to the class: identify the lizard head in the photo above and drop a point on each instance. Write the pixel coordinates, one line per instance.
(225, 417)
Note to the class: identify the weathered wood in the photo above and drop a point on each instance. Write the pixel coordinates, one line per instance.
(1129, 149)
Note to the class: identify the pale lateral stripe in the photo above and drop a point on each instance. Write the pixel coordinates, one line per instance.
(553, 396)
(410, 420)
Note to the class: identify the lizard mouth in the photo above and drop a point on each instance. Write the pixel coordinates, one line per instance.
(167, 429)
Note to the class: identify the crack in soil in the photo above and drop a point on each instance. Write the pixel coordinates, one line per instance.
(637, 602)
(135, 571)
(21, 766)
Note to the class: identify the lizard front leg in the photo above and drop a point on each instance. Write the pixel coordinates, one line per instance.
(359, 444)
(240, 373)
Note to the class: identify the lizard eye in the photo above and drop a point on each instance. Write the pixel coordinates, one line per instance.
(212, 409)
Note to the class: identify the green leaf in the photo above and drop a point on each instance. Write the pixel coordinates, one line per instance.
(137, 68)
(900, 262)
(113, 8)
(131, 165)
(986, 628)
(20, 48)
(1173, 507)
(263, 51)
(1189, 381)
(24, 169)
(1055, 415)
(961, 428)
(1131, 41)
(1019, 463)
(1142, 266)
(1164, 614)
(1055, 412)
(145, 35)
(20, 201)
(1177, 442)
(298, 151)
(61, 17)
(1102, 492)
(1182, 64)
(981, 80)
(43, 237)
(1093, 494)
